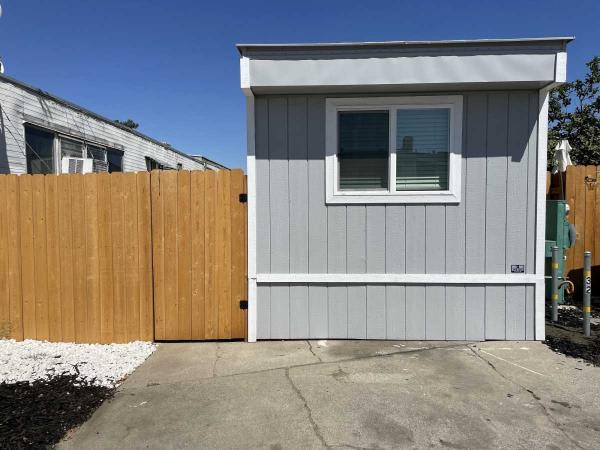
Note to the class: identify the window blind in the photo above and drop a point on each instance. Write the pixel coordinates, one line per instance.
(363, 150)
(422, 142)
(71, 149)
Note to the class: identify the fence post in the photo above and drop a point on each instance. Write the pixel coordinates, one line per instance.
(554, 297)
(587, 291)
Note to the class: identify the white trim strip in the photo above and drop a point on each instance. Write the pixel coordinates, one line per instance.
(540, 229)
(393, 278)
(251, 191)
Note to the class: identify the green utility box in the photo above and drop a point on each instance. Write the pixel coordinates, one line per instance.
(560, 233)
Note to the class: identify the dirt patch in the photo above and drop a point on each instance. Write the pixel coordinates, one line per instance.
(39, 414)
(566, 335)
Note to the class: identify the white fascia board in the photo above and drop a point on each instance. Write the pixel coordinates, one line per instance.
(560, 69)
(405, 278)
(403, 70)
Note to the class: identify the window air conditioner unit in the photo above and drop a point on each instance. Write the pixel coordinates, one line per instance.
(77, 165)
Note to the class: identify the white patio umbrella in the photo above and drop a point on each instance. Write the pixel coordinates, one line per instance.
(561, 156)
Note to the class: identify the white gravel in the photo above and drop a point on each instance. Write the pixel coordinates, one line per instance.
(102, 365)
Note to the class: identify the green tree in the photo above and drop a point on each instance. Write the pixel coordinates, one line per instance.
(574, 114)
(128, 123)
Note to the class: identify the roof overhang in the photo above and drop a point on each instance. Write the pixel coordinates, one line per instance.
(403, 66)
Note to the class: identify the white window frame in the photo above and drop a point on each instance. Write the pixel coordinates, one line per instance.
(336, 196)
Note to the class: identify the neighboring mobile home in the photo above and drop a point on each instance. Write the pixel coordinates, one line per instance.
(397, 190)
(41, 133)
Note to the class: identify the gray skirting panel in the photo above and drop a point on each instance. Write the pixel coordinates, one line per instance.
(403, 312)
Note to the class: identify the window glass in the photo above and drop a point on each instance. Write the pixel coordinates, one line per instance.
(97, 153)
(70, 148)
(422, 141)
(39, 150)
(115, 160)
(363, 150)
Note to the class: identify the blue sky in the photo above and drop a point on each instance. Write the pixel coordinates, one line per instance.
(172, 65)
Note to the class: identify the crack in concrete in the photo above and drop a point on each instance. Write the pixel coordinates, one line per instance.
(535, 397)
(311, 419)
(217, 357)
(310, 347)
(356, 358)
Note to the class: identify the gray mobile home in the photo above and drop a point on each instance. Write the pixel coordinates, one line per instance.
(397, 189)
(42, 133)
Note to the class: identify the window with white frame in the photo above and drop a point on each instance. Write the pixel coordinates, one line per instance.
(394, 149)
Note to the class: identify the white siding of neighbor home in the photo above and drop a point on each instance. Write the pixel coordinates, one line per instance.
(21, 106)
(491, 228)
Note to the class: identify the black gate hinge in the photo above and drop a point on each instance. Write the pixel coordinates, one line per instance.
(243, 198)
(243, 304)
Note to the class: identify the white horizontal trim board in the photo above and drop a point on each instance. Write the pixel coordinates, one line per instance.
(404, 278)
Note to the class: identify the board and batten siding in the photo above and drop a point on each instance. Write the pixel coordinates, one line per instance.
(18, 105)
(492, 228)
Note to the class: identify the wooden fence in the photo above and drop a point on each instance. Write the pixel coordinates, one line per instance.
(116, 257)
(583, 196)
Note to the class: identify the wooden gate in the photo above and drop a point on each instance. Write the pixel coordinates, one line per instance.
(199, 254)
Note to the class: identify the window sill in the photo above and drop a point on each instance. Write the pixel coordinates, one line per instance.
(356, 198)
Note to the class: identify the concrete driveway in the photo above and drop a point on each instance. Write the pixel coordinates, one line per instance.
(351, 394)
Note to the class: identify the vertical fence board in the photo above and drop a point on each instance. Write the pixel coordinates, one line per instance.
(158, 255)
(5, 322)
(53, 258)
(223, 246)
(14, 256)
(145, 257)
(65, 251)
(118, 272)
(131, 256)
(40, 260)
(210, 265)
(169, 194)
(92, 232)
(184, 255)
(78, 228)
(197, 195)
(27, 266)
(105, 258)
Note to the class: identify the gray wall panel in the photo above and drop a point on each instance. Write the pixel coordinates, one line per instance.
(278, 186)
(474, 195)
(263, 221)
(357, 312)
(495, 312)
(516, 299)
(280, 312)
(415, 312)
(435, 239)
(317, 312)
(475, 313)
(495, 188)
(395, 301)
(356, 222)
(376, 239)
(317, 212)
(376, 315)
(455, 313)
(338, 312)
(336, 239)
(415, 239)
(531, 181)
(435, 312)
(395, 235)
(299, 328)
(412, 312)
(516, 183)
(263, 312)
(298, 186)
